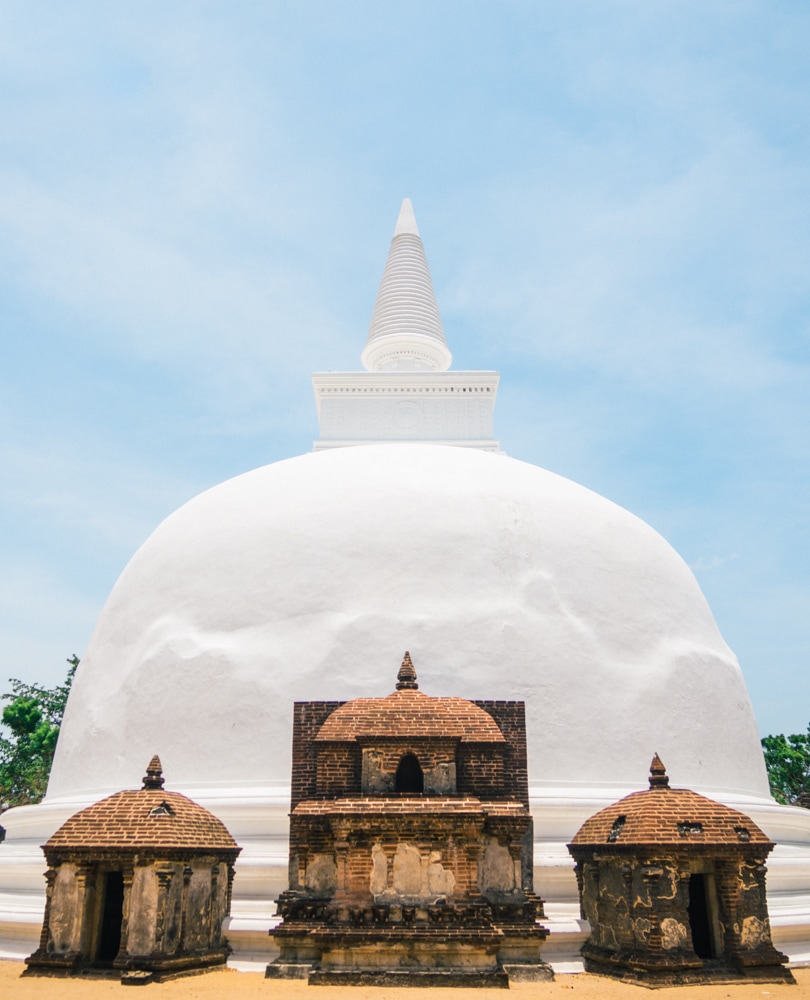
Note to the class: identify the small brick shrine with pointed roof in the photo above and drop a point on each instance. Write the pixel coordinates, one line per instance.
(410, 843)
(139, 882)
(673, 886)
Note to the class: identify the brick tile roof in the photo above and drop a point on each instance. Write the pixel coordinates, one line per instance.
(410, 713)
(147, 818)
(672, 816)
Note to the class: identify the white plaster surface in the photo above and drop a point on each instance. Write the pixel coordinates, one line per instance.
(309, 578)
(431, 407)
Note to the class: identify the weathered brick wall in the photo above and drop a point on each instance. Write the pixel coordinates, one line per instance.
(481, 771)
(337, 769)
(314, 835)
(623, 888)
(308, 717)
(511, 719)
(452, 841)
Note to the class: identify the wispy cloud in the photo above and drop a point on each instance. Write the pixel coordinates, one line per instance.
(708, 563)
(197, 201)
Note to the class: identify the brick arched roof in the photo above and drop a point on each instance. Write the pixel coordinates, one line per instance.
(147, 818)
(668, 816)
(410, 714)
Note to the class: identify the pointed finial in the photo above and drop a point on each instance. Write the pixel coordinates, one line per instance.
(154, 774)
(406, 223)
(406, 333)
(658, 773)
(406, 678)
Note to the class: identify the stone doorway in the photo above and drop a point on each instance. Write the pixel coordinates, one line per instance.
(702, 915)
(112, 915)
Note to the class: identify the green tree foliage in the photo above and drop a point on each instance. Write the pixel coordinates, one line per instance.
(32, 718)
(788, 761)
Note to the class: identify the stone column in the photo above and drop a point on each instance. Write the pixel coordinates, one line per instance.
(390, 850)
(229, 894)
(651, 876)
(756, 945)
(515, 852)
(590, 899)
(188, 871)
(424, 861)
(82, 938)
(301, 857)
(215, 914)
(341, 898)
(727, 881)
(45, 934)
(474, 851)
(164, 879)
(127, 875)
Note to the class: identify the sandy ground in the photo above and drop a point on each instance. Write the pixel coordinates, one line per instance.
(247, 985)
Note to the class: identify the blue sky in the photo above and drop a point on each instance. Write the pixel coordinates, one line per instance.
(196, 201)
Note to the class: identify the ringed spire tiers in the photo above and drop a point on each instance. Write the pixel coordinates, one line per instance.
(406, 678)
(406, 333)
(406, 393)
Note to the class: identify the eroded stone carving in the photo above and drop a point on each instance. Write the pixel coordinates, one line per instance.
(375, 779)
(755, 932)
(497, 868)
(379, 871)
(673, 934)
(407, 871)
(441, 780)
(441, 880)
(321, 874)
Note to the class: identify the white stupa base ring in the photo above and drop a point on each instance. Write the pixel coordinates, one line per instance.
(258, 818)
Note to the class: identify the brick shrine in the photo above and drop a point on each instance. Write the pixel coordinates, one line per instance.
(673, 886)
(410, 844)
(140, 883)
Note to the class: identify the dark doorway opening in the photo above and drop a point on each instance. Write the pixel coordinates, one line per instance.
(699, 916)
(112, 914)
(409, 775)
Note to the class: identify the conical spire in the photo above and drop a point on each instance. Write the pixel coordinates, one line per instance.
(406, 678)
(154, 774)
(406, 223)
(406, 331)
(658, 773)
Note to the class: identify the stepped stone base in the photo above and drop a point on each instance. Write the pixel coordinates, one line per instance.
(525, 973)
(709, 973)
(409, 977)
(288, 970)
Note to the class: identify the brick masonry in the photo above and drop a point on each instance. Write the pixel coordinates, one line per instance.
(139, 882)
(673, 885)
(432, 879)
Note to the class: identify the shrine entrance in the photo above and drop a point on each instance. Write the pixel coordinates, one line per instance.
(112, 915)
(409, 775)
(702, 908)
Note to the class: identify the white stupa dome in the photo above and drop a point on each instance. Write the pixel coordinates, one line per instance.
(310, 577)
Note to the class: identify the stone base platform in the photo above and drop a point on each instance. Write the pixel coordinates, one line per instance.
(408, 977)
(711, 972)
(539, 972)
(132, 971)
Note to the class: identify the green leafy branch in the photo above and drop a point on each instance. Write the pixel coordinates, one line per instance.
(33, 718)
(787, 759)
